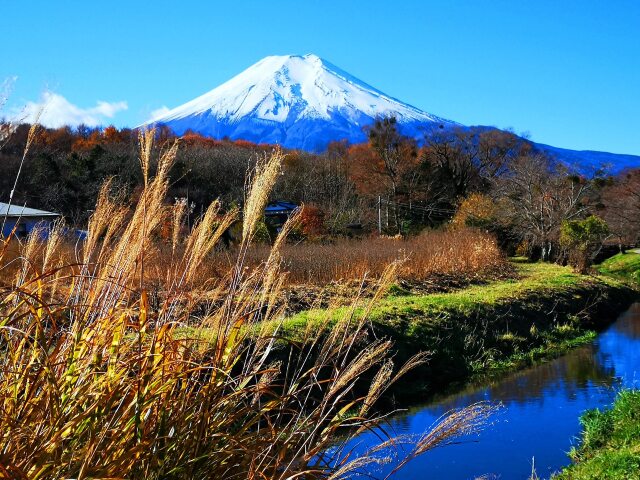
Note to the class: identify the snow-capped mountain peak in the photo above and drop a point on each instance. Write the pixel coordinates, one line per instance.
(297, 101)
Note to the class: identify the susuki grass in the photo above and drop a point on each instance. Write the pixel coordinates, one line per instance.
(461, 253)
(95, 383)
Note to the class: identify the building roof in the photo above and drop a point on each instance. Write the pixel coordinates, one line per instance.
(21, 211)
(280, 207)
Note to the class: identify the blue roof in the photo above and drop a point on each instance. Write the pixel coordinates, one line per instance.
(277, 207)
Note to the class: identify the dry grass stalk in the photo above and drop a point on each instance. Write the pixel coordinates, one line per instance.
(178, 213)
(145, 141)
(453, 425)
(265, 175)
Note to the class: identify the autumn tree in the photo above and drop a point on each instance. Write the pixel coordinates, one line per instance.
(536, 196)
(477, 210)
(395, 158)
(621, 207)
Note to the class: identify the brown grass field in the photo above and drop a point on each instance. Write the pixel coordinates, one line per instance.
(460, 252)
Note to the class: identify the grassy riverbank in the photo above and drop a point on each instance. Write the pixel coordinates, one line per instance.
(490, 328)
(610, 442)
(624, 266)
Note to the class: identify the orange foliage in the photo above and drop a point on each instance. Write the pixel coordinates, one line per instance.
(112, 135)
(191, 138)
(475, 210)
(244, 144)
(366, 169)
(312, 221)
(60, 138)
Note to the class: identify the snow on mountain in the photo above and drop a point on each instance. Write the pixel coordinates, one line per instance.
(296, 101)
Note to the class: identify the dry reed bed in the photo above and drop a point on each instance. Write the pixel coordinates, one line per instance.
(461, 253)
(95, 382)
(456, 255)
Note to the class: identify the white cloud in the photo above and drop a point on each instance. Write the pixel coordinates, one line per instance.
(5, 90)
(56, 111)
(158, 113)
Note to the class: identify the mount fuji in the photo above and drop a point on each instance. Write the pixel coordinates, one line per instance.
(304, 102)
(298, 102)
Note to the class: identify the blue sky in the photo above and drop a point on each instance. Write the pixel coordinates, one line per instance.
(568, 72)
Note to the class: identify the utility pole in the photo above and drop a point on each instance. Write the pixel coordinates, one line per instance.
(379, 215)
(386, 212)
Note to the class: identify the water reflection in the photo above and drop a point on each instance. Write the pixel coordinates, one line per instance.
(629, 329)
(543, 405)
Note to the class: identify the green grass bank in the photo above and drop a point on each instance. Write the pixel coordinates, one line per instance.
(624, 266)
(488, 329)
(610, 442)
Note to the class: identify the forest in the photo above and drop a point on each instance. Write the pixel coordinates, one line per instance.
(486, 178)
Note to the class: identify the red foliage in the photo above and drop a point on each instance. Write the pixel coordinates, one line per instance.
(366, 169)
(191, 138)
(312, 221)
(112, 135)
(59, 138)
(244, 144)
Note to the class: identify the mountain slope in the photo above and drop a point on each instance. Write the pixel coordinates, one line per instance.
(296, 101)
(586, 160)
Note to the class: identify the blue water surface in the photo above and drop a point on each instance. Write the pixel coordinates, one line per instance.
(540, 420)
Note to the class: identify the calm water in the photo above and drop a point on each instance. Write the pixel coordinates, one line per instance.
(539, 421)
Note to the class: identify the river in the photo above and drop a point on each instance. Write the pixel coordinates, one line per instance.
(540, 420)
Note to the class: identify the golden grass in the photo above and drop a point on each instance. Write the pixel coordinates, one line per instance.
(463, 252)
(94, 382)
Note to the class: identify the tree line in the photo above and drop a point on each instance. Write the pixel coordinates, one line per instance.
(482, 177)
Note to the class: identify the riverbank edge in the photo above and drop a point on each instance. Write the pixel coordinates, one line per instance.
(484, 332)
(524, 337)
(610, 437)
(609, 442)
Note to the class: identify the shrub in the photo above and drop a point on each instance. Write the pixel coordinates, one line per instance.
(312, 221)
(476, 210)
(262, 234)
(583, 239)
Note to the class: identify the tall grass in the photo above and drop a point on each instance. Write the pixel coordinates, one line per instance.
(466, 252)
(95, 382)
(463, 253)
